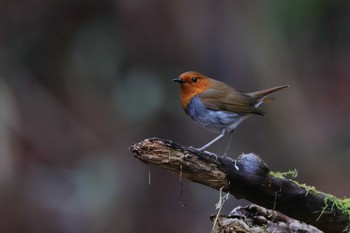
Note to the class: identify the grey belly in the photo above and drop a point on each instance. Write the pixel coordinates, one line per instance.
(212, 120)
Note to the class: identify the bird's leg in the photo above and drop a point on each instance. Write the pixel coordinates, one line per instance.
(212, 141)
(227, 147)
(228, 144)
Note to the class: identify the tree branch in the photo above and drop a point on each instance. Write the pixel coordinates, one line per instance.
(254, 218)
(253, 182)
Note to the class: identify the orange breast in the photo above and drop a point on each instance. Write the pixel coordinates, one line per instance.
(189, 90)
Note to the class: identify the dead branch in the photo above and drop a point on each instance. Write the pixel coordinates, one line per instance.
(252, 182)
(254, 218)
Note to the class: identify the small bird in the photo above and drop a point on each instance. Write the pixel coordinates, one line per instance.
(217, 106)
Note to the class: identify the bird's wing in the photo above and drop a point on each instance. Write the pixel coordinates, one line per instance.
(224, 98)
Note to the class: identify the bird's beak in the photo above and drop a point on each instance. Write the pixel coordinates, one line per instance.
(178, 80)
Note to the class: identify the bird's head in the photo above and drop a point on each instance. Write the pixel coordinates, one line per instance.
(191, 84)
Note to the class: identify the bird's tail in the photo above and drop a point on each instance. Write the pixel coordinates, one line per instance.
(261, 95)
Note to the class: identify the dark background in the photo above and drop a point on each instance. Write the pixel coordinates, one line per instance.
(81, 80)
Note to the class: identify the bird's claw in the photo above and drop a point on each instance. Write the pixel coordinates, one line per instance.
(201, 150)
(193, 148)
(211, 154)
(234, 160)
(237, 168)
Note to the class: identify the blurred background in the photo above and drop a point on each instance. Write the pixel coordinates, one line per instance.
(82, 80)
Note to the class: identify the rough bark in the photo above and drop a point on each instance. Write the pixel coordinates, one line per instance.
(257, 219)
(247, 178)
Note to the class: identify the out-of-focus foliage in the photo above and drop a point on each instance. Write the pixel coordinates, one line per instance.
(82, 80)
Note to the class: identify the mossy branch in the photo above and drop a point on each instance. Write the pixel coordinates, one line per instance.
(253, 182)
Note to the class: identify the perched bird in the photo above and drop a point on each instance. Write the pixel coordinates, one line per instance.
(217, 106)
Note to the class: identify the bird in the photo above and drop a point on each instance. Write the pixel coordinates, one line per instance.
(217, 106)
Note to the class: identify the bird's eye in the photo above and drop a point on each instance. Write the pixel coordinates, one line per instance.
(194, 79)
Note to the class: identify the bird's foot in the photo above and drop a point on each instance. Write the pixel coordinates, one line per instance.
(194, 148)
(237, 168)
(234, 160)
(202, 150)
(211, 154)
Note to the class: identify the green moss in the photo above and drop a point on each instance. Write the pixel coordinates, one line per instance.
(331, 202)
(308, 188)
(345, 206)
(291, 173)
